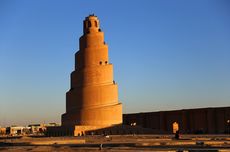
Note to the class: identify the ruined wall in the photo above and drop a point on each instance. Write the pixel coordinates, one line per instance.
(204, 120)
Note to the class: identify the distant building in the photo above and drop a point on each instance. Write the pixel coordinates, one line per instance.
(52, 124)
(37, 128)
(15, 130)
(40, 128)
(2, 131)
(32, 129)
(198, 121)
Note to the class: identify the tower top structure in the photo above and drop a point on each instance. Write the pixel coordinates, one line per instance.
(91, 24)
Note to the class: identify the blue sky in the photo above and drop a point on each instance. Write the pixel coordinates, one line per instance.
(166, 54)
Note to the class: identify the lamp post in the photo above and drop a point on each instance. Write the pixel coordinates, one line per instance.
(228, 126)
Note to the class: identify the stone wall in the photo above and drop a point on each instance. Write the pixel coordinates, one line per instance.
(204, 120)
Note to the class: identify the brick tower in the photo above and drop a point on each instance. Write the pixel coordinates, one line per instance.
(92, 101)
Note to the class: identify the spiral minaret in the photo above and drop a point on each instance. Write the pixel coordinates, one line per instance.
(93, 97)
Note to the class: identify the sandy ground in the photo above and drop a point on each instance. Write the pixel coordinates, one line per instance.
(121, 143)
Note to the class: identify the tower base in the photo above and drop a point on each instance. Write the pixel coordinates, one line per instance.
(95, 116)
(80, 130)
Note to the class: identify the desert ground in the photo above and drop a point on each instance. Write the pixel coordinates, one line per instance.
(121, 143)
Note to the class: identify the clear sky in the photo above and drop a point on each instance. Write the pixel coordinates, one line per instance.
(166, 54)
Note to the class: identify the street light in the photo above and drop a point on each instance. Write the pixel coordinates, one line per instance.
(133, 124)
(228, 125)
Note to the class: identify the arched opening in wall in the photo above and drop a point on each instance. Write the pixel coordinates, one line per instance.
(175, 127)
(100, 62)
(85, 25)
(95, 23)
(89, 24)
(106, 62)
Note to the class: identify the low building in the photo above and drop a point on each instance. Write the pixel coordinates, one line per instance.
(15, 130)
(2, 131)
(52, 124)
(37, 128)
